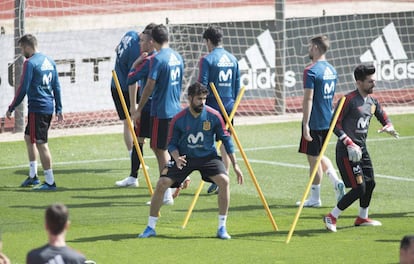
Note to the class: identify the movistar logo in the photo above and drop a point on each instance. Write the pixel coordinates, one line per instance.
(389, 56)
(258, 67)
(194, 139)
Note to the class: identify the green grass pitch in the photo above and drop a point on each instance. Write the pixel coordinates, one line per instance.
(106, 220)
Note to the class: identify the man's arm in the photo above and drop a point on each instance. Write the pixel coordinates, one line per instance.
(307, 109)
(149, 87)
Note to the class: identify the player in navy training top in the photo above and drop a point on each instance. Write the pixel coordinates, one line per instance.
(221, 68)
(352, 157)
(193, 134)
(55, 251)
(319, 82)
(41, 84)
(164, 84)
(127, 51)
(138, 75)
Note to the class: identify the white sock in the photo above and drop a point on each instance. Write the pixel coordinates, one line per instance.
(222, 220)
(336, 212)
(152, 221)
(332, 175)
(316, 192)
(32, 169)
(363, 212)
(168, 195)
(49, 178)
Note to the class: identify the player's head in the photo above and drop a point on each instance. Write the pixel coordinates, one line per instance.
(146, 43)
(362, 71)
(28, 44)
(214, 34)
(318, 46)
(159, 34)
(197, 95)
(407, 249)
(365, 77)
(56, 218)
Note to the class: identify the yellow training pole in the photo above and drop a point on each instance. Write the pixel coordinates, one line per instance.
(200, 187)
(131, 129)
(249, 168)
(318, 160)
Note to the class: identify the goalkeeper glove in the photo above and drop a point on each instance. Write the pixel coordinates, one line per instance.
(354, 151)
(389, 128)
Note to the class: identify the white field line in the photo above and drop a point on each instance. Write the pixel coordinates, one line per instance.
(273, 163)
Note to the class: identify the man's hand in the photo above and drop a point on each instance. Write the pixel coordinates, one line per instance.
(181, 162)
(239, 174)
(8, 114)
(306, 133)
(354, 151)
(59, 117)
(140, 59)
(389, 128)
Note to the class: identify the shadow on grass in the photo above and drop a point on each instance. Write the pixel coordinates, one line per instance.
(58, 171)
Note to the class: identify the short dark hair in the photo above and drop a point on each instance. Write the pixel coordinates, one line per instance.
(56, 217)
(214, 34)
(406, 241)
(148, 29)
(197, 89)
(362, 71)
(28, 40)
(159, 34)
(322, 42)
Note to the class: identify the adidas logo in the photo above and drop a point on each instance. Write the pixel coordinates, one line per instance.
(384, 51)
(257, 68)
(173, 61)
(225, 62)
(328, 74)
(46, 65)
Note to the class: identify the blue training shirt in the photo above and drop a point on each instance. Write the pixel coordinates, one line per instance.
(140, 75)
(195, 137)
(221, 68)
(127, 51)
(167, 69)
(322, 78)
(41, 84)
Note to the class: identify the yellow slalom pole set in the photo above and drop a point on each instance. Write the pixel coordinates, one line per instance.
(318, 160)
(249, 168)
(200, 187)
(131, 129)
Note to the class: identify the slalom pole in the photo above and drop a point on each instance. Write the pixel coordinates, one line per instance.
(131, 129)
(200, 187)
(318, 160)
(249, 168)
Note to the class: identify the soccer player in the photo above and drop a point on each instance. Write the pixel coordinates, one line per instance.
(221, 68)
(41, 84)
(352, 157)
(192, 136)
(127, 51)
(319, 82)
(407, 250)
(164, 84)
(139, 74)
(55, 251)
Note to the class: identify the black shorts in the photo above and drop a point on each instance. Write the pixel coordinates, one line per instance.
(313, 148)
(349, 170)
(117, 102)
(208, 167)
(37, 127)
(159, 132)
(143, 129)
